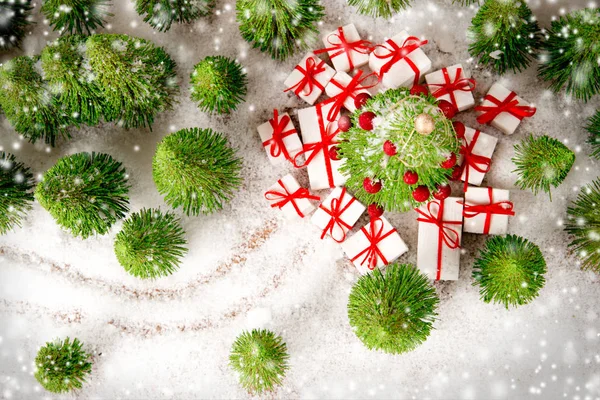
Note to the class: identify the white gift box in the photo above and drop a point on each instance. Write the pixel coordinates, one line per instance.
(290, 197)
(309, 78)
(340, 83)
(453, 85)
(439, 238)
(375, 245)
(486, 210)
(319, 135)
(352, 55)
(280, 138)
(503, 109)
(476, 155)
(338, 214)
(401, 71)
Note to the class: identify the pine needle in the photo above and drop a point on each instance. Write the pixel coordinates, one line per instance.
(16, 184)
(584, 226)
(161, 14)
(76, 16)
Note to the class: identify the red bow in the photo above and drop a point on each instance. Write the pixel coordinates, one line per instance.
(282, 198)
(398, 53)
(499, 208)
(353, 86)
(449, 87)
(374, 235)
(345, 47)
(310, 71)
(470, 160)
(336, 213)
(276, 140)
(509, 105)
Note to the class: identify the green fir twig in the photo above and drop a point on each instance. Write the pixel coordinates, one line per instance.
(218, 84)
(14, 20)
(584, 226)
(161, 14)
(76, 16)
(16, 184)
(593, 128)
(62, 366)
(380, 8)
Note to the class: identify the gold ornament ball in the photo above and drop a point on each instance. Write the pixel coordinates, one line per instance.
(424, 124)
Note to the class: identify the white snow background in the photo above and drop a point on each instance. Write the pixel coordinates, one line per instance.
(248, 267)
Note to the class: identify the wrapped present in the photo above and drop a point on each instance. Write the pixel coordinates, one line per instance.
(345, 48)
(319, 151)
(338, 214)
(503, 109)
(309, 78)
(375, 245)
(289, 197)
(343, 89)
(279, 138)
(486, 210)
(451, 84)
(400, 61)
(476, 156)
(440, 233)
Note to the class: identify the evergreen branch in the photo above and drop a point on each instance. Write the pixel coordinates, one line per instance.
(380, 8)
(465, 3)
(16, 184)
(161, 14)
(14, 20)
(76, 16)
(594, 130)
(62, 366)
(218, 84)
(584, 226)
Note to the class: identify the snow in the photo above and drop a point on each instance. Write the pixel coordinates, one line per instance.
(248, 267)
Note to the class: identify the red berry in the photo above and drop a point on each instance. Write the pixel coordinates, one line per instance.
(442, 192)
(375, 210)
(410, 177)
(344, 123)
(370, 186)
(459, 128)
(333, 153)
(420, 90)
(456, 173)
(421, 194)
(361, 99)
(447, 108)
(365, 120)
(450, 162)
(389, 148)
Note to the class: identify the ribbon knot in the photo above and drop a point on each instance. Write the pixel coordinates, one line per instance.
(450, 86)
(310, 71)
(398, 53)
(281, 198)
(374, 235)
(336, 212)
(510, 105)
(349, 90)
(345, 47)
(470, 160)
(498, 208)
(277, 146)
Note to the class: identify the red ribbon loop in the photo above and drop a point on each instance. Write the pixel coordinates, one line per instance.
(470, 160)
(345, 47)
(509, 105)
(276, 140)
(450, 86)
(374, 235)
(310, 71)
(284, 197)
(336, 212)
(353, 86)
(499, 208)
(398, 53)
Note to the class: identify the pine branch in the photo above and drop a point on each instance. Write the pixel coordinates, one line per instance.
(594, 129)
(16, 184)
(393, 311)
(380, 8)
(465, 3)
(14, 20)
(76, 16)
(584, 226)
(218, 84)
(62, 366)
(509, 270)
(86, 193)
(161, 14)
(196, 169)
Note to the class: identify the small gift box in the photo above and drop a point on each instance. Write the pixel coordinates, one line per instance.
(375, 245)
(338, 214)
(486, 210)
(279, 138)
(503, 109)
(345, 48)
(289, 197)
(451, 84)
(343, 89)
(400, 61)
(476, 156)
(309, 78)
(440, 232)
(319, 136)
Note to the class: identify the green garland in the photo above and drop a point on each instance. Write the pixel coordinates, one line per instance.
(594, 129)
(76, 16)
(509, 271)
(62, 366)
(571, 54)
(218, 84)
(393, 311)
(16, 183)
(161, 14)
(504, 35)
(260, 358)
(14, 15)
(86, 193)
(150, 244)
(584, 226)
(279, 27)
(542, 162)
(379, 8)
(196, 169)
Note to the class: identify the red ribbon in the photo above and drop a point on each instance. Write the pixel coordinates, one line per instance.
(470, 160)
(374, 235)
(345, 47)
(353, 86)
(509, 105)
(276, 140)
(310, 71)
(336, 212)
(282, 198)
(446, 236)
(499, 208)
(398, 53)
(449, 87)
(328, 135)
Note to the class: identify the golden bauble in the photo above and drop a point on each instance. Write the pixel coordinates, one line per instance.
(424, 124)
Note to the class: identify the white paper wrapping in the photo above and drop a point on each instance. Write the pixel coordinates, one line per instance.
(461, 99)
(505, 121)
(343, 79)
(484, 146)
(322, 78)
(341, 62)
(475, 219)
(275, 149)
(338, 214)
(288, 185)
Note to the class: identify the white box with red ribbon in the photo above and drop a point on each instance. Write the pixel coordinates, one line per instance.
(337, 214)
(503, 109)
(346, 49)
(453, 85)
(476, 156)
(344, 89)
(280, 138)
(291, 198)
(486, 210)
(309, 78)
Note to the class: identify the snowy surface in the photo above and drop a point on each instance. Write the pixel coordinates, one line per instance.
(249, 267)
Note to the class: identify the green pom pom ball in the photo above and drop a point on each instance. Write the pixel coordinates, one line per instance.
(62, 366)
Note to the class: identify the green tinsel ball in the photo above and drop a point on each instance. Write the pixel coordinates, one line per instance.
(584, 225)
(261, 360)
(504, 35)
(397, 111)
(161, 14)
(379, 8)
(594, 129)
(197, 170)
(279, 27)
(16, 183)
(76, 16)
(86, 193)
(218, 84)
(62, 366)
(14, 19)
(542, 162)
(509, 270)
(393, 311)
(572, 51)
(150, 244)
